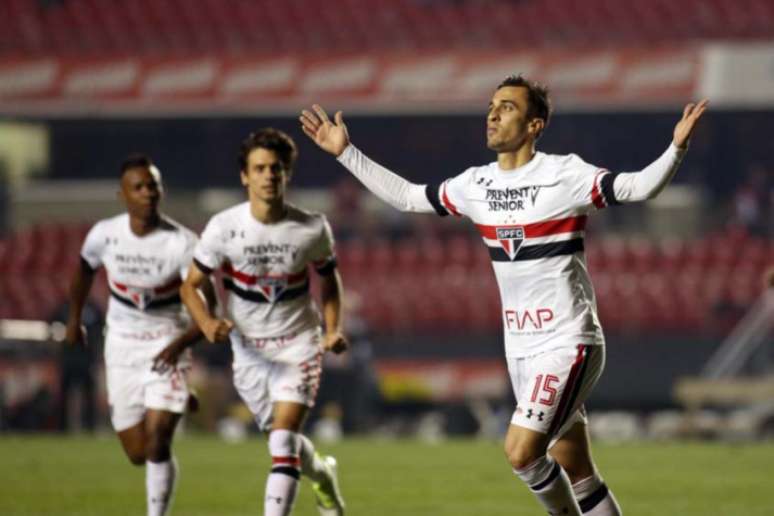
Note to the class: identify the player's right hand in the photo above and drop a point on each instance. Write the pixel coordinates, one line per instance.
(75, 335)
(217, 329)
(329, 136)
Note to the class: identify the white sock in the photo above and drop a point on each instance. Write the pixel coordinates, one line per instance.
(551, 485)
(311, 466)
(282, 483)
(160, 480)
(594, 498)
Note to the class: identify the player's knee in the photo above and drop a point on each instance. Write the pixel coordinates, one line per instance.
(283, 443)
(136, 457)
(158, 448)
(521, 456)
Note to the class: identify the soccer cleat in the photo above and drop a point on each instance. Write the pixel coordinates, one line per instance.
(329, 500)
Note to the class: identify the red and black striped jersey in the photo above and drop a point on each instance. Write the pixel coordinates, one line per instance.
(144, 276)
(532, 220)
(265, 268)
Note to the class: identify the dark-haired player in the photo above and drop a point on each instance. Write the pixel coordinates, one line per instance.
(530, 209)
(264, 248)
(146, 256)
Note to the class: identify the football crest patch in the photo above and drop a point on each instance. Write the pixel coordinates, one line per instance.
(510, 239)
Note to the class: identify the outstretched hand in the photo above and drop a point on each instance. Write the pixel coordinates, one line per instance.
(329, 136)
(685, 126)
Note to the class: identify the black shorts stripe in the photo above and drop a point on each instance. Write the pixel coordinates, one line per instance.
(593, 499)
(608, 193)
(328, 268)
(535, 252)
(561, 419)
(156, 303)
(550, 478)
(431, 191)
(287, 470)
(257, 297)
(202, 267)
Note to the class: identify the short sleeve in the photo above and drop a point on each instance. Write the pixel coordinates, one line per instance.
(322, 254)
(449, 196)
(188, 253)
(94, 246)
(591, 186)
(210, 249)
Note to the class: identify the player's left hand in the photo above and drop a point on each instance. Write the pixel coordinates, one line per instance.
(684, 128)
(336, 342)
(167, 358)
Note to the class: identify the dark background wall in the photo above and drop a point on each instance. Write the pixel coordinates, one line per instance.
(200, 152)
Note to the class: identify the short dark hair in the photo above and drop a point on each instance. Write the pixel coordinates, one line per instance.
(537, 94)
(135, 161)
(273, 140)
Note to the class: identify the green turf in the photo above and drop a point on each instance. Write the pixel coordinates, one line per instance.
(69, 476)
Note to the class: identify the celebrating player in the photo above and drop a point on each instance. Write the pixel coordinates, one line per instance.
(146, 255)
(530, 209)
(264, 248)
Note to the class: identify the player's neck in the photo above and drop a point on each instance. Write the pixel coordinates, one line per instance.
(515, 159)
(268, 212)
(142, 226)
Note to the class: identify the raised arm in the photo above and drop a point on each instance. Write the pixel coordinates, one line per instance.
(333, 137)
(213, 328)
(650, 181)
(80, 286)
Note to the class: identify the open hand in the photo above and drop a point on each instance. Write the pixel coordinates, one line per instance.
(685, 126)
(329, 136)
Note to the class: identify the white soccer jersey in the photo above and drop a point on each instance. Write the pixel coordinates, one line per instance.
(144, 275)
(265, 270)
(532, 220)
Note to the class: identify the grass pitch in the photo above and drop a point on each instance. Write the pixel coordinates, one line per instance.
(90, 476)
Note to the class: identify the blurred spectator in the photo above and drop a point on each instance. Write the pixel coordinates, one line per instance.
(752, 202)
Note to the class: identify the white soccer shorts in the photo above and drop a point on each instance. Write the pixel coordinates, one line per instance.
(134, 389)
(287, 369)
(551, 387)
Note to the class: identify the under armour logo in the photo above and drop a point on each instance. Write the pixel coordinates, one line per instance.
(277, 499)
(484, 181)
(539, 415)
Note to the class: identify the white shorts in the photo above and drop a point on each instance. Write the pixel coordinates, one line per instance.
(550, 387)
(288, 369)
(134, 389)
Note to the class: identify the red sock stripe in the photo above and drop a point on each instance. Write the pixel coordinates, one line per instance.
(290, 460)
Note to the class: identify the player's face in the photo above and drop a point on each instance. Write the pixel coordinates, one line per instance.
(266, 176)
(140, 192)
(507, 125)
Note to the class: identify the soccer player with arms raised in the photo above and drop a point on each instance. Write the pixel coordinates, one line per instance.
(146, 255)
(531, 209)
(264, 248)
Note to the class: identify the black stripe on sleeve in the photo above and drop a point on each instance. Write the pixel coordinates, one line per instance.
(202, 267)
(328, 267)
(431, 191)
(608, 192)
(86, 266)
